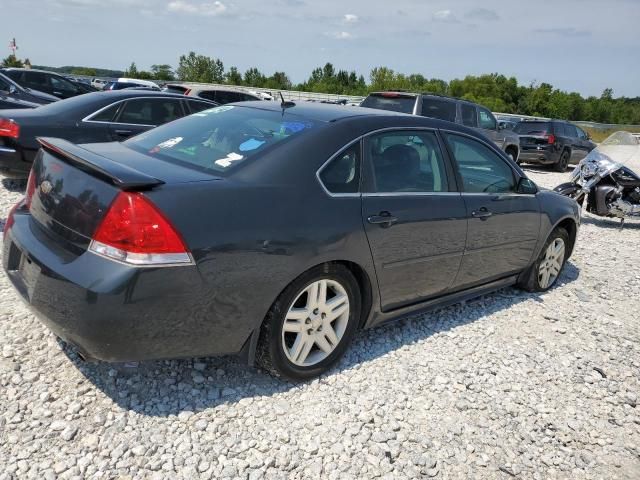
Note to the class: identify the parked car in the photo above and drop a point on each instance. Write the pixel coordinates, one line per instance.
(554, 142)
(122, 83)
(94, 117)
(43, 81)
(84, 87)
(209, 235)
(221, 95)
(99, 83)
(450, 109)
(506, 124)
(13, 94)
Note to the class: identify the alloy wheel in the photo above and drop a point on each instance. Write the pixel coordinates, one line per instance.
(551, 263)
(315, 322)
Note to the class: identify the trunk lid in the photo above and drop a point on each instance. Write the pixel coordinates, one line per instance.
(75, 185)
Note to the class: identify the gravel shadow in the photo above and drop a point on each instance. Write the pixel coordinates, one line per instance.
(610, 223)
(14, 185)
(163, 388)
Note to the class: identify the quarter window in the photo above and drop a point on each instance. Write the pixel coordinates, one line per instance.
(342, 175)
(407, 161)
(487, 120)
(195, 106)
(150, 111)
(106, 115)
(482, 170)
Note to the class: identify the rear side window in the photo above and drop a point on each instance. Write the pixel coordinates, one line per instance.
(220, 138)
(106, 115)
(195, 106)
(571, 130)
(208, 94)
(391, 102)
(150, 111)
(469, 116)
(37, 80)
(438, 108)
(532, 128)
(342, 175)
(13, 74)
(4, 85)
(559, 130)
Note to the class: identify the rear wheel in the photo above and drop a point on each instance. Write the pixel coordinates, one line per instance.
(311, 324)
(544, 273)
(513, 155)
(563, 162)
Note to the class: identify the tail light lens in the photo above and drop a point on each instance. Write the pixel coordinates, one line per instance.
(187, 91)
(9, 128)
(10, 220)
(551, 139)
(134, 231)
(31, 189)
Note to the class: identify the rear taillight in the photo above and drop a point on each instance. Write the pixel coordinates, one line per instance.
(134, 231)
(10, 219)
(187, 91)
(9, 128)
(31, 189)
(389, 94)
(551, 139)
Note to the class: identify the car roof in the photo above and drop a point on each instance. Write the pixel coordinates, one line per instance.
(20, 69)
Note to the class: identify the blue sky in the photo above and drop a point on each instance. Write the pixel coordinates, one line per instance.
(576, 45)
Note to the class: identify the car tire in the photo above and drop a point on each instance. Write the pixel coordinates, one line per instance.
(547, 268)
(513, 156)
(562, 164)
(304, 348)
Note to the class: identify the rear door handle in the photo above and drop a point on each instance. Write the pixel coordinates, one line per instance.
(124, 133)
(384, 219)
(482, 213)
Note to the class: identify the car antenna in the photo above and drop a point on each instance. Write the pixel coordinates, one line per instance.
(284, 103)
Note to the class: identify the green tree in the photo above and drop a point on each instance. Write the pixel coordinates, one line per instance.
(200, 68)
(162, 72)
(89, 72)
(12, 61)
(254, 78)
(233, 76)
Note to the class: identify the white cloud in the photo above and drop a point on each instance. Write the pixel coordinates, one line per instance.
(350, 18)
(340, 35)
(206, 8)
(445, 16)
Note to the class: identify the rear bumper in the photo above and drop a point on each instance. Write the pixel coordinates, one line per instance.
(114, 312)
(541, 154)
(12, 163)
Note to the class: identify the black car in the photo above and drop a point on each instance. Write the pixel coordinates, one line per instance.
(13, 95)
(94, 117)
(552, 142)
(274, 230)
(85, 87)
(450, 109)
(43, 81)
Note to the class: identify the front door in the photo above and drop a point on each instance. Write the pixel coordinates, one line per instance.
(503, 224)
(488, 125)
(415, 221)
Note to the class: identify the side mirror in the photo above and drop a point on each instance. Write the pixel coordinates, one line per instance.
(12, 89)
(526, 186)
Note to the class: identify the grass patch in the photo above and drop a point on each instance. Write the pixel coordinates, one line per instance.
(598, 135)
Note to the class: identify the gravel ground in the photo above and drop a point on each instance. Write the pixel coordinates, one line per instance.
(508, 385)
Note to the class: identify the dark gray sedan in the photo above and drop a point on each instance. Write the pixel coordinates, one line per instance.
(275, 231)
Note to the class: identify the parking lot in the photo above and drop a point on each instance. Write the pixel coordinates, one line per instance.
(510, 385)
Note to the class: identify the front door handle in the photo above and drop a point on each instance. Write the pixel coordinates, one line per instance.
(124, 133)
(483, 213)
(384, 219)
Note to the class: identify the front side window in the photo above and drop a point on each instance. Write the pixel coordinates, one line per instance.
(482, 170)
(62, 85)
(469, 116)
(196, 106)
(342, 174)
(407, 161)
(581, 134)
(150, 111)
(439, 108)
(486, 119)
(4, 85)
(221, 138)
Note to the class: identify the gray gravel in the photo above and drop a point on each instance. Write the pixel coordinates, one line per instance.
(508, 385)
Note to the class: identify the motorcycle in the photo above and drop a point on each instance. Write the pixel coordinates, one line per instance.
(608, 178)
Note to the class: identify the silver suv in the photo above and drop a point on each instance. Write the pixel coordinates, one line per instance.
(450, 109)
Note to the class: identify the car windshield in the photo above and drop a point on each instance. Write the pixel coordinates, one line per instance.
(220, 138)
(393, 102)
(532, 128)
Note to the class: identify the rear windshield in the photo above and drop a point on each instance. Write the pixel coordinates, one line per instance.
(395, 104)
(532, 128)
(220, 138)
(437, 108)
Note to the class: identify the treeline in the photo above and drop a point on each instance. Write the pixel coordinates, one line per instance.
(495, 91)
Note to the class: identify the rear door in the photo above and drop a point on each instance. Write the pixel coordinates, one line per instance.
(141, 114)
(436, 107)
(503, 224)
(584, 144)
(571, 134)
(414, 219)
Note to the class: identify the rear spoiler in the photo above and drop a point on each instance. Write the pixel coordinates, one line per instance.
(118, 174)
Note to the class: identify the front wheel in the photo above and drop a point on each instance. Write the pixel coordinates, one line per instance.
(546, 270)
(311, 324)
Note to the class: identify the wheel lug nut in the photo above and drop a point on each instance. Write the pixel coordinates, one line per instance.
(320, 328)
(307, 321)
(324, 315)
(315, 312)
(310, 331)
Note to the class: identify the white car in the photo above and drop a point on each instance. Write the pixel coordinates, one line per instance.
(98, 83)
